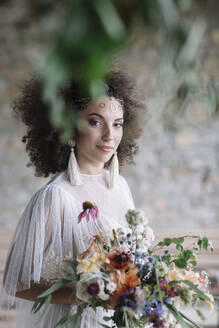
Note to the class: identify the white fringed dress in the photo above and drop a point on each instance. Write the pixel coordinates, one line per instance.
(49, 227)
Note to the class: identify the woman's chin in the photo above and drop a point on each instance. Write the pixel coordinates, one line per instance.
(104, 157)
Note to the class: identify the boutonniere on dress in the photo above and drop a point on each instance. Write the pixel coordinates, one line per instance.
(90, 212)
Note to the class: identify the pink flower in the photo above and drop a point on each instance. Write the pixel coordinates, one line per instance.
(90, 211)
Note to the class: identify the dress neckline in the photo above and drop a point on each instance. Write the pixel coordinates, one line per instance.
(93, 175)
(90, 175)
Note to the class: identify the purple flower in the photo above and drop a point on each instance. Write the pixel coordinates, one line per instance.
(146, 309)
(152, 309)
(123, 257)
(159, 309)
(93, 289)
(169, 291)
(127, 299)
(168, 300)
(163, 284)
(90, 211)
(172, 292)
(157, 321)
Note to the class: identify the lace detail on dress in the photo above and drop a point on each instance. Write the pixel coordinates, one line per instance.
(55, 267)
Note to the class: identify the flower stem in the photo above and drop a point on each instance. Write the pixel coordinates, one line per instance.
(115, 237)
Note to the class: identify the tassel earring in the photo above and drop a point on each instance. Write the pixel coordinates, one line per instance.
(73, 169)
(114, 171)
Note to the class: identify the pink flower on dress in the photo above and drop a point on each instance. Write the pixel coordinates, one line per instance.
(90, 211)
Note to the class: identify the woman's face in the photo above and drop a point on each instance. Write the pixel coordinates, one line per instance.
(103, 119)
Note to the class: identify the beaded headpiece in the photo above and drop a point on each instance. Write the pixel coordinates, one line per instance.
(109, 92)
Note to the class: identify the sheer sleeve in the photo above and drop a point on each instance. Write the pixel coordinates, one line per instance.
(128, 192)
(45, 224)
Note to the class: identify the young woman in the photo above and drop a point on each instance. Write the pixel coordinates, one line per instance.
(85, 169)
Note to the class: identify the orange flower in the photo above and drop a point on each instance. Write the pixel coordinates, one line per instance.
(128, 274)
(118, 259)
(92, 249)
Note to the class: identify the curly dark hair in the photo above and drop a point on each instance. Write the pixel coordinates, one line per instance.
(43, 142)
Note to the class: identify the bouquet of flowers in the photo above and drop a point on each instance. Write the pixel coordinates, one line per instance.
(145, 286)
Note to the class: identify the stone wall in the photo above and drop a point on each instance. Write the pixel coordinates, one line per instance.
(176, 176)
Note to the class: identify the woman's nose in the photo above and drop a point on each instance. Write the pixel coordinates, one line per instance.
(108, 133)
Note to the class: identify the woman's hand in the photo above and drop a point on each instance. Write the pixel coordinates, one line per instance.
(64, 295)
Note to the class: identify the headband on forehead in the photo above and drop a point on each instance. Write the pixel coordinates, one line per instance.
(109, 92)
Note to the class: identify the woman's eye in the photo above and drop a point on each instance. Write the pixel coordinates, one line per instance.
(118, 125)
(94, 122)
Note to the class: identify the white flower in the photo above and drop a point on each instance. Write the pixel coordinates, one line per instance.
(73, 309)
(111, 287)
(139, 295)
(140, 228)
(120, 232)
(203, 280)
(144, 218)
(91, 286)
(169, 319)
(148, 236)
(165, 267)
(124, 248)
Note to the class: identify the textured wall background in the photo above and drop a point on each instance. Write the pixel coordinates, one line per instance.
(176, 176)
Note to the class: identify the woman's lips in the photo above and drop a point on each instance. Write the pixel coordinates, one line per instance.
(106, 149)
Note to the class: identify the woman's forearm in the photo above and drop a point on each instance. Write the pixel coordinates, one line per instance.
(65, 295)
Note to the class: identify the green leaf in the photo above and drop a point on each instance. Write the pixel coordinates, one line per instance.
(111, 271)
(158, 283)
(46, 305)
(72, 320)
(177, 315)
(200, 314)
(61, 323)
(73, 265)
(180, 262)
(199, 292)
(179, 247)
(37, 305)
(211, 245)
(179, 240)
(169, 241)
(203, 243)
(173, 282)
(110, 19)
(201, 295)
(187, 254)
(190, 320)
(194, 263)
(126, 320)
(107, 318)
(53, 288)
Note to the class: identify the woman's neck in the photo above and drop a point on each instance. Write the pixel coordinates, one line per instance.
(90, 168)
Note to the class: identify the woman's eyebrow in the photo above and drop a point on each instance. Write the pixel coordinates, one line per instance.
(117, 119)
(96, 115)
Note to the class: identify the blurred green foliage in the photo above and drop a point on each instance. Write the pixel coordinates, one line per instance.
(93, 31)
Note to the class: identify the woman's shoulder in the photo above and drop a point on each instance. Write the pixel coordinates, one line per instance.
(123, 180)
(50, 198)
(50, 190)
